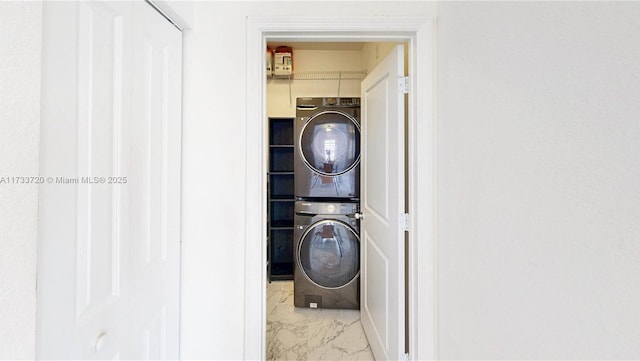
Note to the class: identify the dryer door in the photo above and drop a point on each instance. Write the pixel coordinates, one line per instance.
(329, 254)
(330, 143)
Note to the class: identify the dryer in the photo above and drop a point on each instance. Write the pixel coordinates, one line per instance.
(327, 255)
(327, 148)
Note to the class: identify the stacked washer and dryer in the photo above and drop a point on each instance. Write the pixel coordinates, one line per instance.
(327, 191)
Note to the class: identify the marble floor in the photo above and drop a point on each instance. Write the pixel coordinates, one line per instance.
(311, 334)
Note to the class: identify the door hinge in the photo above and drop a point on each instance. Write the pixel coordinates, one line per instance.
(405, 222)
(404, 84)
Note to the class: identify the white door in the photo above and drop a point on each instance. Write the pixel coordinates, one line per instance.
(88, 241)
(382, 237)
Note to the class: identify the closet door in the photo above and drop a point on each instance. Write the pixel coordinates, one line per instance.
(96, 268)
(155, 185)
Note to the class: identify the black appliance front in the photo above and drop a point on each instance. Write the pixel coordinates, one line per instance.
(327, 156)
(327, 256)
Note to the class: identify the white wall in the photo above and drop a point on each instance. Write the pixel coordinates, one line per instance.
(213, 166)
(20, 48)
(373, 53)
(539, 180)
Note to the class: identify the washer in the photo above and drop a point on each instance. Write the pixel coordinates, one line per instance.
(327, 255)
(327, 142)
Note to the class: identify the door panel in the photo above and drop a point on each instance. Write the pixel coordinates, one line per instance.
(154, 337)
(155, 185)
(82, 222)
(377, 295)
(377, 173)
(100, 101)
(382, 286)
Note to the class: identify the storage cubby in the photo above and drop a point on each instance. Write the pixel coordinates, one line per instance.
(281, 131)
(281, 158)
(282, 213)
(281, 200)
(281, 186)
(281, 254)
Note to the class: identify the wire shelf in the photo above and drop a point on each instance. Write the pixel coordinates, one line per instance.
(324, 75)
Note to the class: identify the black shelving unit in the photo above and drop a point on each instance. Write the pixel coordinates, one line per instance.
(281, 199)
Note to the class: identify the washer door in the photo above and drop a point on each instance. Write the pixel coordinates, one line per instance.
(330, 143)
(329, 254)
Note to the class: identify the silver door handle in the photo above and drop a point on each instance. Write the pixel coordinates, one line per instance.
(358, 215)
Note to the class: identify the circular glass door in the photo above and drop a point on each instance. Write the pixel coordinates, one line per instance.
(329, 254)
(330, 143)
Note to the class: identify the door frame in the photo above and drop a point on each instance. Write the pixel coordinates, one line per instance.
(419, 32)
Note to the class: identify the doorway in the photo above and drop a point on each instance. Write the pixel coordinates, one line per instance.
(313, 236)
(419, 34)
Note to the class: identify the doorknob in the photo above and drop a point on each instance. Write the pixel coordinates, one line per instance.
(358, 215)
(100, 341)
